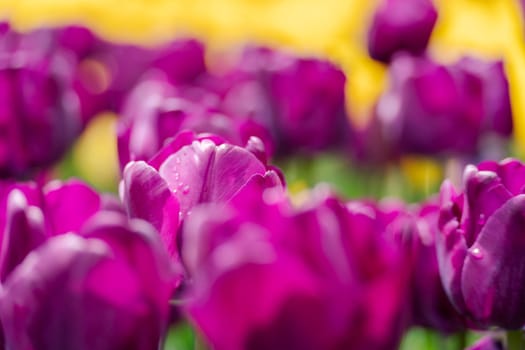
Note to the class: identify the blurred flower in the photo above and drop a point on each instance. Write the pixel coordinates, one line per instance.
(264, 277)
(480, 247)
(39, 117)
(417, 228)
(107, 288)
(437, 109)
(189, 170)
(401, 25)
(299, 100)
(30, 215)
(156, 110)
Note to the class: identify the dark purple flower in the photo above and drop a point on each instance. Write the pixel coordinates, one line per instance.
(106, 75)
(480, 247)
(182, 60)
(417, 229)
(264, 276)
(188, 171)
(39, 116)
(432, 108)
(299, 100)
(78, 40)
(107, 288)
(401, 25)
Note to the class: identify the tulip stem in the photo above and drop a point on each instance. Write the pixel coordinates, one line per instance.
(515, 340)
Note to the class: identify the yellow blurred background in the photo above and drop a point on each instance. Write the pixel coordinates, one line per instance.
(332, 28)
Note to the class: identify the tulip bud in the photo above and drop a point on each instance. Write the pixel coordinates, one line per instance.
(401, 25)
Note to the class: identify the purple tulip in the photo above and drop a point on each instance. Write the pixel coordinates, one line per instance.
(431, 108)
(156, 111)
(416, 229)
(106, 71)
(480, 245)
(30, 215)
(188, 171)
(79, 40)
(39, 118)
(401, 25)
(266, 277)
(108, 288)
(182, 60)
(299, 100)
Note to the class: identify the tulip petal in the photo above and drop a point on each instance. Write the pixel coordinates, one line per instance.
(69, 205)
(145, 194)
(24, 231)
(485, 193)
(203, 172)
(494, 269)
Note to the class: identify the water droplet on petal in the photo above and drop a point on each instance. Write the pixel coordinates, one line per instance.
(476, 252)
(176, 176)
(185, 189)
(177, 160)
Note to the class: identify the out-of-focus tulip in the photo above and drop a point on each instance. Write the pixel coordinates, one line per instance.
(30, 215)
(156, 111)
(417, 229)
(299, 100)
(107, 72)
(401, 25)
(269, 278)
(182, 60)
(480, 247)
(189, 170)
(431, 108)
(39, 116)
(105, 289)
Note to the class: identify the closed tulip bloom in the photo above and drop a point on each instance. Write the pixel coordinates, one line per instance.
(105, 289)
(480, 247)
(431, 108)
(39, 118)
(190, 170)
(276, 278)
(401, 25)
(300, 100)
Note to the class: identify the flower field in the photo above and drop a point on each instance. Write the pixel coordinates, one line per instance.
(279, 174)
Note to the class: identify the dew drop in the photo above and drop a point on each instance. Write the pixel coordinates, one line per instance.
(476, 252)
(177, 160)
(176, 176)
(185, 189)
